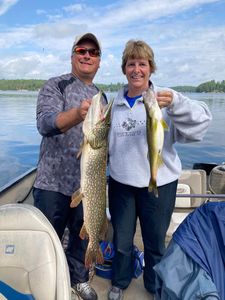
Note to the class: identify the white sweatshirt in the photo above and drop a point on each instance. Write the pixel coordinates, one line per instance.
(187, 120)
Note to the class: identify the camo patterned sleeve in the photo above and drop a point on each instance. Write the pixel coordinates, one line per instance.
(50, 103)
(58, 168)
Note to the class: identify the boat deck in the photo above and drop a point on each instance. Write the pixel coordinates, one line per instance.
(136, 289)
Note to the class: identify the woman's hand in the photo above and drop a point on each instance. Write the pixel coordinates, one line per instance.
(164, 98)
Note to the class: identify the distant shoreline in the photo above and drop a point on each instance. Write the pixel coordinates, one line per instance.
(107, 91)
(35, 85)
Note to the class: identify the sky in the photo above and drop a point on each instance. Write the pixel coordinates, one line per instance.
(187, 37)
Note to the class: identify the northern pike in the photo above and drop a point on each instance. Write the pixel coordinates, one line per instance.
(155, 126)
(93, 183)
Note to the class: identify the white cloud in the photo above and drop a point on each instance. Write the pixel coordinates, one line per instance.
(140, 11)
(184, 47)
(73, 8)
(184, 68)
(5, 5)
(56, 30)
(32, 65)
(40, 12)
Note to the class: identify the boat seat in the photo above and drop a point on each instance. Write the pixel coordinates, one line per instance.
(190, 182)
(32, 261)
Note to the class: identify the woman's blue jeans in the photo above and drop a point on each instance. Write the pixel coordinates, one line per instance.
(126, 203)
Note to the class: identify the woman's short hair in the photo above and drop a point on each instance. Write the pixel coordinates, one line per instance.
(137, 49)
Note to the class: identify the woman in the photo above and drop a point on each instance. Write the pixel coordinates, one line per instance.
(129, 198)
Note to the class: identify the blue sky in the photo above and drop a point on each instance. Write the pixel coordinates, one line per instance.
(187, 37)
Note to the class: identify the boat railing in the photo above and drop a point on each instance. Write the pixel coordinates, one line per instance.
(210, 196)
(19, 190)
(198, 188)
(16, 180)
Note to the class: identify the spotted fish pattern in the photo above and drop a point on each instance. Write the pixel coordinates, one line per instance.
(93, 178)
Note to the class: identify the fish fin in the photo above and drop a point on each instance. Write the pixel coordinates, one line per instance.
(107, 108)
(76, 198)
(83, 233)
(92, 256)
(99, 257)
(160, 160)
(153, 188)
(80, 150)
(79, 153)
(164, 125)
(104, 229)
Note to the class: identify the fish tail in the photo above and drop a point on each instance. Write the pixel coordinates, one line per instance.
(152, 184)
(153, 188)
(93, 256)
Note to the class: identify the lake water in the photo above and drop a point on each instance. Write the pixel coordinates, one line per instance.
(20, 140)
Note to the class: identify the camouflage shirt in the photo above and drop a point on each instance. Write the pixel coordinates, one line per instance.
(58, 168)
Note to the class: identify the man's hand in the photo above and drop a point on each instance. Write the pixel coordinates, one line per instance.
(83, 108)
(67, 119)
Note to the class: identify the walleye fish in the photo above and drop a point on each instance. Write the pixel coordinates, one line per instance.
(92, 190)
(155, 136)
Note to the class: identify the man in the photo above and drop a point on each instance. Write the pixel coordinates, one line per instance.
(62, 105)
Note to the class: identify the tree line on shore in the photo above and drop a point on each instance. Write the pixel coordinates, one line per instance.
(206, 87)
(36, 84)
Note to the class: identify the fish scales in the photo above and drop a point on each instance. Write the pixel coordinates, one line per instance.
(155, 126)
(93, 178)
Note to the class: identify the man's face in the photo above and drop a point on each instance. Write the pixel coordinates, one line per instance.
(84, 65)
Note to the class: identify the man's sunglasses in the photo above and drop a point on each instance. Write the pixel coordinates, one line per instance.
(82, 51)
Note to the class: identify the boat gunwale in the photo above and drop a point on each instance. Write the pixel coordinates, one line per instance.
(16, 180)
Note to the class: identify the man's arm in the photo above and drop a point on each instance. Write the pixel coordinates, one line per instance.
(67, 119)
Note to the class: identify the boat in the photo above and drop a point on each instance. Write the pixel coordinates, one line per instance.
(195, 187)
(19, 190)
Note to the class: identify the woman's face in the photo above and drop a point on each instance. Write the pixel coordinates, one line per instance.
(138, 72)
